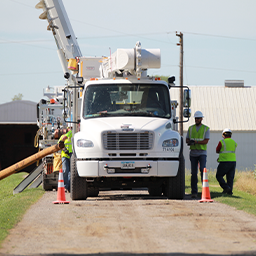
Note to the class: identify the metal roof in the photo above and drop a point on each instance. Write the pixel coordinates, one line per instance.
(18, 111)
(222, 107)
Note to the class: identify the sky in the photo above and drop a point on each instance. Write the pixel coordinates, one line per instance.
(219, 40)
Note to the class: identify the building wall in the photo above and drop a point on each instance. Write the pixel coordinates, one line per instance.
(18, 111)
(245, 153)
(16, 144)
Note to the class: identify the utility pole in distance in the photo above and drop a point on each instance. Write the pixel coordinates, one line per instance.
(180, 35)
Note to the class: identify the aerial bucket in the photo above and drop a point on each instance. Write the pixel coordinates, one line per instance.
(72, 64)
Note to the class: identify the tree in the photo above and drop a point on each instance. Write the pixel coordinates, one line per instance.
(17, 97)
(164, 78)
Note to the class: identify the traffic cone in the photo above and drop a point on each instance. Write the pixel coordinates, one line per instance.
(61, 198)
(206, 197)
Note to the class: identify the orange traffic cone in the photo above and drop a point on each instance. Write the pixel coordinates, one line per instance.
(206, 197)
(61, 198)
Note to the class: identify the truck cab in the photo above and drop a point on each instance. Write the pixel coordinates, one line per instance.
(127, 137)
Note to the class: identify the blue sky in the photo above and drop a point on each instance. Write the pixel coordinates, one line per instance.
(219, 40)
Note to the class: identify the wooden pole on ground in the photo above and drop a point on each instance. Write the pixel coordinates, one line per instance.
(28, 161)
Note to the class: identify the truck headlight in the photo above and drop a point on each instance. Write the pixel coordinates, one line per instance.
(170, 143)
(84, 143)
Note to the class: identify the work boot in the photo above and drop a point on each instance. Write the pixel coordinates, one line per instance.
(227, 191)
(193, 195)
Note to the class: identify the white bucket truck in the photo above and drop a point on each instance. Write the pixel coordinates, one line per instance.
(124, 122)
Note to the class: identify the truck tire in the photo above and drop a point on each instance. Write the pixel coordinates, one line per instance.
(45, 185)
(175, 186)
(78, 185)
(155, 191)
(49, 183)
(93, 192)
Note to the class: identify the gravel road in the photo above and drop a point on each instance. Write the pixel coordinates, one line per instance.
(131, 223)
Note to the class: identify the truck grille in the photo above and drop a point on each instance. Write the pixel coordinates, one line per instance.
(128, 141)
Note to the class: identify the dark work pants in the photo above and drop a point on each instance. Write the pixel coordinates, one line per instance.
(66, 172)
(228, 169)
(195, 160)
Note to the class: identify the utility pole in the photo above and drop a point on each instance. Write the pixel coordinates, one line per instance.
(180, 35)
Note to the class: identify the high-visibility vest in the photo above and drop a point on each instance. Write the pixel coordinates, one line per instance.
(67, 143)
(198, 136)
(228, 150)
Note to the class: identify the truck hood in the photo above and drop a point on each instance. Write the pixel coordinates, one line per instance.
(125, 124)
(93, 129)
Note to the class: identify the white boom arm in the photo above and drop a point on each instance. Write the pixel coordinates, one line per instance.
(54, 12)
(134, 62)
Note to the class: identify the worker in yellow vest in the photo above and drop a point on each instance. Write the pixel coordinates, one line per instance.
(197, 138)
(227, 161)
(65, 156)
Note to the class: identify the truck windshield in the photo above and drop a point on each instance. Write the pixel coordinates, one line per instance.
(127, 100)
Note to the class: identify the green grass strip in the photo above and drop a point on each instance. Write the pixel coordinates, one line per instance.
(13, 207)
(240, 200)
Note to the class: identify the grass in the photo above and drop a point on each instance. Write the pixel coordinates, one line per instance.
(244, 191)
(246, 181)
(13, 207)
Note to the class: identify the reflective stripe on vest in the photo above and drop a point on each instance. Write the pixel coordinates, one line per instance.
(228, 150)
(198, 136)
(67, 143)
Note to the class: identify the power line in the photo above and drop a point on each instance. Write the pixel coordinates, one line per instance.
(198, 67)
(122, 35)
(221, 36)
(31, 73)
(213, 68)
(21, 3)
(223, 69)
(25, 43)
(153, 33)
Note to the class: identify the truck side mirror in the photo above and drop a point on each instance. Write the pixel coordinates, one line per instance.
(67, 103)
(187, 98)
(171, 79)
(187, 112)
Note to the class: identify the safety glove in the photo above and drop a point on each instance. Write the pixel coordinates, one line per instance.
(61, 144)
(191, 142)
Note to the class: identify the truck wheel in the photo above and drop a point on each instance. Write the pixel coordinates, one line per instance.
(93, 192)
(45, 183)
(155, 191)
(175, 186)
(78, 185)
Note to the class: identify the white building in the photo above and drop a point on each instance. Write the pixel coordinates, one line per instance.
(225, 107)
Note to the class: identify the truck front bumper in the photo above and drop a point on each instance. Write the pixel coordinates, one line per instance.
(128, 168)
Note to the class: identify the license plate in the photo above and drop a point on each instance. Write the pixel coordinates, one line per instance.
(127, 165)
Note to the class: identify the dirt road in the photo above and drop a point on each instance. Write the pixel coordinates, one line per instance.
(131, 222)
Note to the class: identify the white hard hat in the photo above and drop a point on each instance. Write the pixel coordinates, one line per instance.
(226, 130)
(198, 114)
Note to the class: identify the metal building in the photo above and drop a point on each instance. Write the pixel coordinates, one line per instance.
(230, 106)
(18, 128)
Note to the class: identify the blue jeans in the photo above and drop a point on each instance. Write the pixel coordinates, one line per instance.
(195, 160)
(66, 172)
(228, 169)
